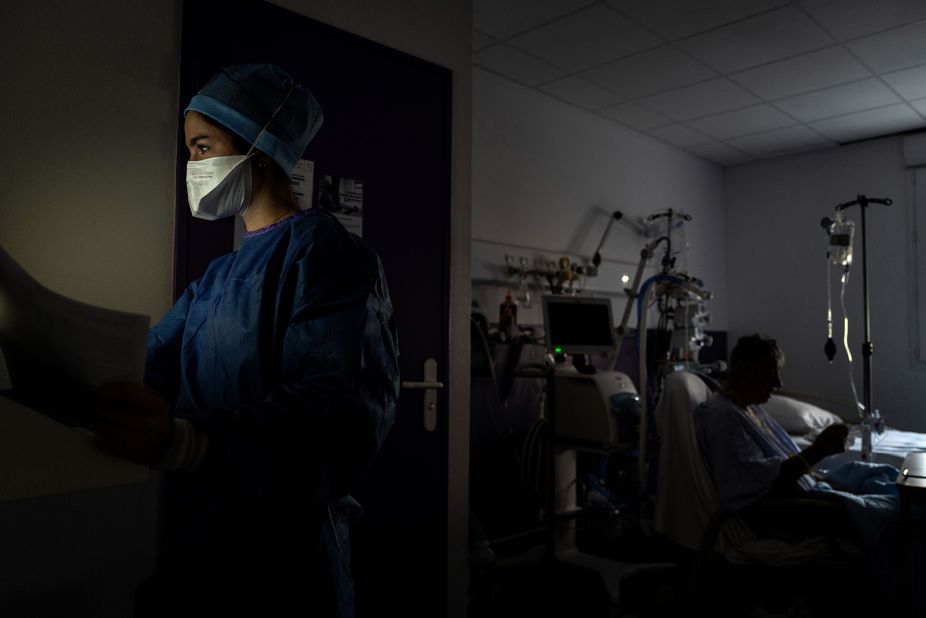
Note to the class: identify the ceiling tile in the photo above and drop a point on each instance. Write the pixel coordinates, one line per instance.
(849, 19)
(516, 65)
(920, 106)
(895, 49)
(580, 92)
(771, 36)
(810, 71)
(710, 97)
(679, 135)
(635, 116)
(675, 19)
(505, 18)
(871, 123)
(581, 40)
(845, 99)
(788, 139)
(649, 72)
(910, 83)
(482, 40)
(742, 122)
(720, 153)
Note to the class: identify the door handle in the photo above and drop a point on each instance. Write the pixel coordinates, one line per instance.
(430, 386)
(422, 386)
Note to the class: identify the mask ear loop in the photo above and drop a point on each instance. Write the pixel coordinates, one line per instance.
(250, 151)
(267, 126)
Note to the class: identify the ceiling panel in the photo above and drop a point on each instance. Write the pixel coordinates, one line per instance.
(516, 65)
(482, 40)
(738, 122)
(589, 37)
(729, 80)
(675, 19)
(680, 135)
(649, 72)
(720, 153)
(710, 97)
(871, 123)
(892, 50)
(636, 116)
(920, 106)
(909, 83)
(839, 100)
(580, 92)
(850, 19)
(504, 18)
(787, 139)
(810, 71)
(765, 38)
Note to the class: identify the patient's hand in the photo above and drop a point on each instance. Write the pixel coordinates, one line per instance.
(831, 440)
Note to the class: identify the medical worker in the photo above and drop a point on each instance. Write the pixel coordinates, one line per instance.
(270, 384)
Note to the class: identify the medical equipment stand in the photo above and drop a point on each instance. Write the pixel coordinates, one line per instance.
(563, 509)
(867, 348)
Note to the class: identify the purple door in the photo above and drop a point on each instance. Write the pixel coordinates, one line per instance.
(387, 124)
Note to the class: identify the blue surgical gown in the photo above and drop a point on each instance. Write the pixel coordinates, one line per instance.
(285, 354)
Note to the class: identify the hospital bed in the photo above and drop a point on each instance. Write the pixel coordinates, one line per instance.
(804, 420)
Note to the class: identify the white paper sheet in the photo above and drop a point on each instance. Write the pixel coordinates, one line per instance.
(303, 179)
(58, 350)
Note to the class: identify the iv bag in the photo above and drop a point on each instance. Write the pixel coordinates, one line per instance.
(840, 241)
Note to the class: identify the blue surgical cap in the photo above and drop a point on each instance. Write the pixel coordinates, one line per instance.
(243, 98)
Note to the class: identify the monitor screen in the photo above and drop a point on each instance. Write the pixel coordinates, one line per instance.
(576, 325)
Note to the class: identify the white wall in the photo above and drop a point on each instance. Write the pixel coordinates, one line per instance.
(546, 177)
(88, 115)
(776, 271)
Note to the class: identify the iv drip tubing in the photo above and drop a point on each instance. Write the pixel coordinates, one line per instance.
(829, 302)
(845, 318)
(845, 341)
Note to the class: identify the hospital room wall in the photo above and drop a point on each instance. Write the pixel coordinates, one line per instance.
(546, 177)
(88, 117)
(777, 278)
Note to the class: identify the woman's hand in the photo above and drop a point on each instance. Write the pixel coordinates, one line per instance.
(133, 423)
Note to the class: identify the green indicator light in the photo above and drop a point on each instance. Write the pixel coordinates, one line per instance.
(558, 350)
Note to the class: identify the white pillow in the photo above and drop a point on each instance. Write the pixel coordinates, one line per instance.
(799, 417)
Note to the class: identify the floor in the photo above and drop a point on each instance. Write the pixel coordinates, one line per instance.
(523, 581)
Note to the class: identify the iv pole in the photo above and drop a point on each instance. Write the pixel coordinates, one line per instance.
(867, 348)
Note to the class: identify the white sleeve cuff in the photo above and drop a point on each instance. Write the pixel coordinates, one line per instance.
(188, 449)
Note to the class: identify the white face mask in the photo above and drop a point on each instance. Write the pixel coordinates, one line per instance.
(219, 187)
